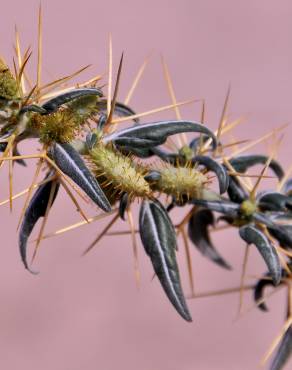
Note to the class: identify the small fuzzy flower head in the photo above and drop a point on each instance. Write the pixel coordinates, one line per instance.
(9, 88)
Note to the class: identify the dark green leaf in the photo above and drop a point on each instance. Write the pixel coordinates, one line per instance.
(71, 164)
(215, 167)
(284, 351)
(251, 235)
(156, 133)
(35, 210)
(53, 104)
(198, 233)
(243, 163)
(159, 240)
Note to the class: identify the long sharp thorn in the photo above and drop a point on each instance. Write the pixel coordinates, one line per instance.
(65, 178)
(39, 166)
(189, 261)
(52, 85)
(260, 301)
(26, 100)
(10, 183)
(153, 111)
(74, 200)
(264, 170)
(240, 179)
(23, 192)
(109, 225)
(15, 69)
(182, 139)
(136, 81)
(78, 224)
(223, 114)
(213, 293)
(225, 129)
(135, 248)
(110, 75)
(277, 340)
(15, 157)
(113, 103)
(7, 150)
(40, 48)
(125, 232)
(258, 141)
(242, 278)
(202, 120)
(19, 59)
(22, 68)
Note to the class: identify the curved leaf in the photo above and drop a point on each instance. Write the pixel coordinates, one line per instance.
(221, 206)
(215, 167)
(283, 233)
(158, 237)
(199, 235)
(259, 291)
(251, 235)
(156, 133)
(53, 104)
(243, 163)
(71, 164)
(274, 201)
(35, 210)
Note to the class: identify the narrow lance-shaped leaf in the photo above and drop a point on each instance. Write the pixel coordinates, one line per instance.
(53, 104)
(251, 235)
(283, 233)
(199, 235)
(35, 210)
(243, 163)
(71, 164)
(159, 241)
(156, 133)
(221, 206)
(274, 201)
(284, 351)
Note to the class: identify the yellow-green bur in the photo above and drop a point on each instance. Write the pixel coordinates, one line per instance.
(120, 172)
(181, 181)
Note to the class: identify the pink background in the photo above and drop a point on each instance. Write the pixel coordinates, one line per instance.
(87, 313)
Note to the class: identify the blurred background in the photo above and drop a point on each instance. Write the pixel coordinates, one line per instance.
(87, 313)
